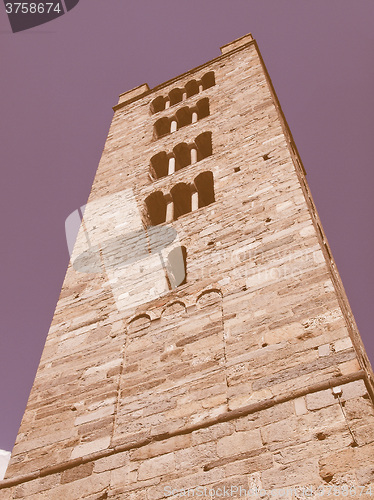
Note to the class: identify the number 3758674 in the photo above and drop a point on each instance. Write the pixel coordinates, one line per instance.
(32, 8)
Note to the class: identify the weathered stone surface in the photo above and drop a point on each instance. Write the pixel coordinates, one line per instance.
(162, 447)
(300, 406)
(298, 473)
(90, 447)
(76, 473)
(238, 442)
(320, 400)
(365, 475)
(224, 380)
(343, 461)
(157, 466)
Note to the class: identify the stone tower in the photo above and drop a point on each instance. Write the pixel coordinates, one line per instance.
(202, 344)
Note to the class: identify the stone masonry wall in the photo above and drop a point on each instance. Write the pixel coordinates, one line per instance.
(301, 443)
(227, 380)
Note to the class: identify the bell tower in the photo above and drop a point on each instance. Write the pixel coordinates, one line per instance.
(202, 342)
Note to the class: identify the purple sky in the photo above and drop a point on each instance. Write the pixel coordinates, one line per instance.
(60, 80)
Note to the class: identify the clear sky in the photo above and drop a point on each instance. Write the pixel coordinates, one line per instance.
(60, 80)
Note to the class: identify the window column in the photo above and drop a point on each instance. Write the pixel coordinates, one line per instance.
(193, 154)
(194, 199)
(169, 208)
(173, 126)
(171, 168)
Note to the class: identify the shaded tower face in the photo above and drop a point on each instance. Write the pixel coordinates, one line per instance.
(202, 338)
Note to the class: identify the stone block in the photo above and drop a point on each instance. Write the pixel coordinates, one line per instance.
(300, 406)
(345, 460)
(342, 344)
(76, 473)
(90, 447)
(297, 474)
(245, 466)
(285, 430)
(212, 433)
(193, 459)
(323, 350)
(359, 409)
(37, 486)
(162, 447)
(365, 475)
(157, 466)
(348, 367)
(364, 434)
(239, 442)
(320, 399)
(285, 333)
(181, 485)
(94, 415)
(42, 441)
(112, 462)
(354, 389)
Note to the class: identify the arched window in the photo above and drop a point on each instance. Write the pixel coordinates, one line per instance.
(192, 88)
(205, 187)
(159, 165)
(156, 207)
(163, 164)
(202, 108)
(175, 95)
(204, 145)
(181, 195)
(182, 156)
(161, 127)
(184, 117)
(208, 80)
(158, 104)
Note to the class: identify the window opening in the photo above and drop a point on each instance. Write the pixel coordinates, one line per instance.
(181, 195)
(182, 156)
(159, 165)
(205, 187)
(204, 145)
(208, 80)
(175, 96)
(192, 88)
(156, 207)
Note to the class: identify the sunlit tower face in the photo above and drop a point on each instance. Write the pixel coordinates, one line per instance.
(202, 336)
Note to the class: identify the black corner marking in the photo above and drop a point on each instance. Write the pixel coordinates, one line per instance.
(24, 15)
(70, 4)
